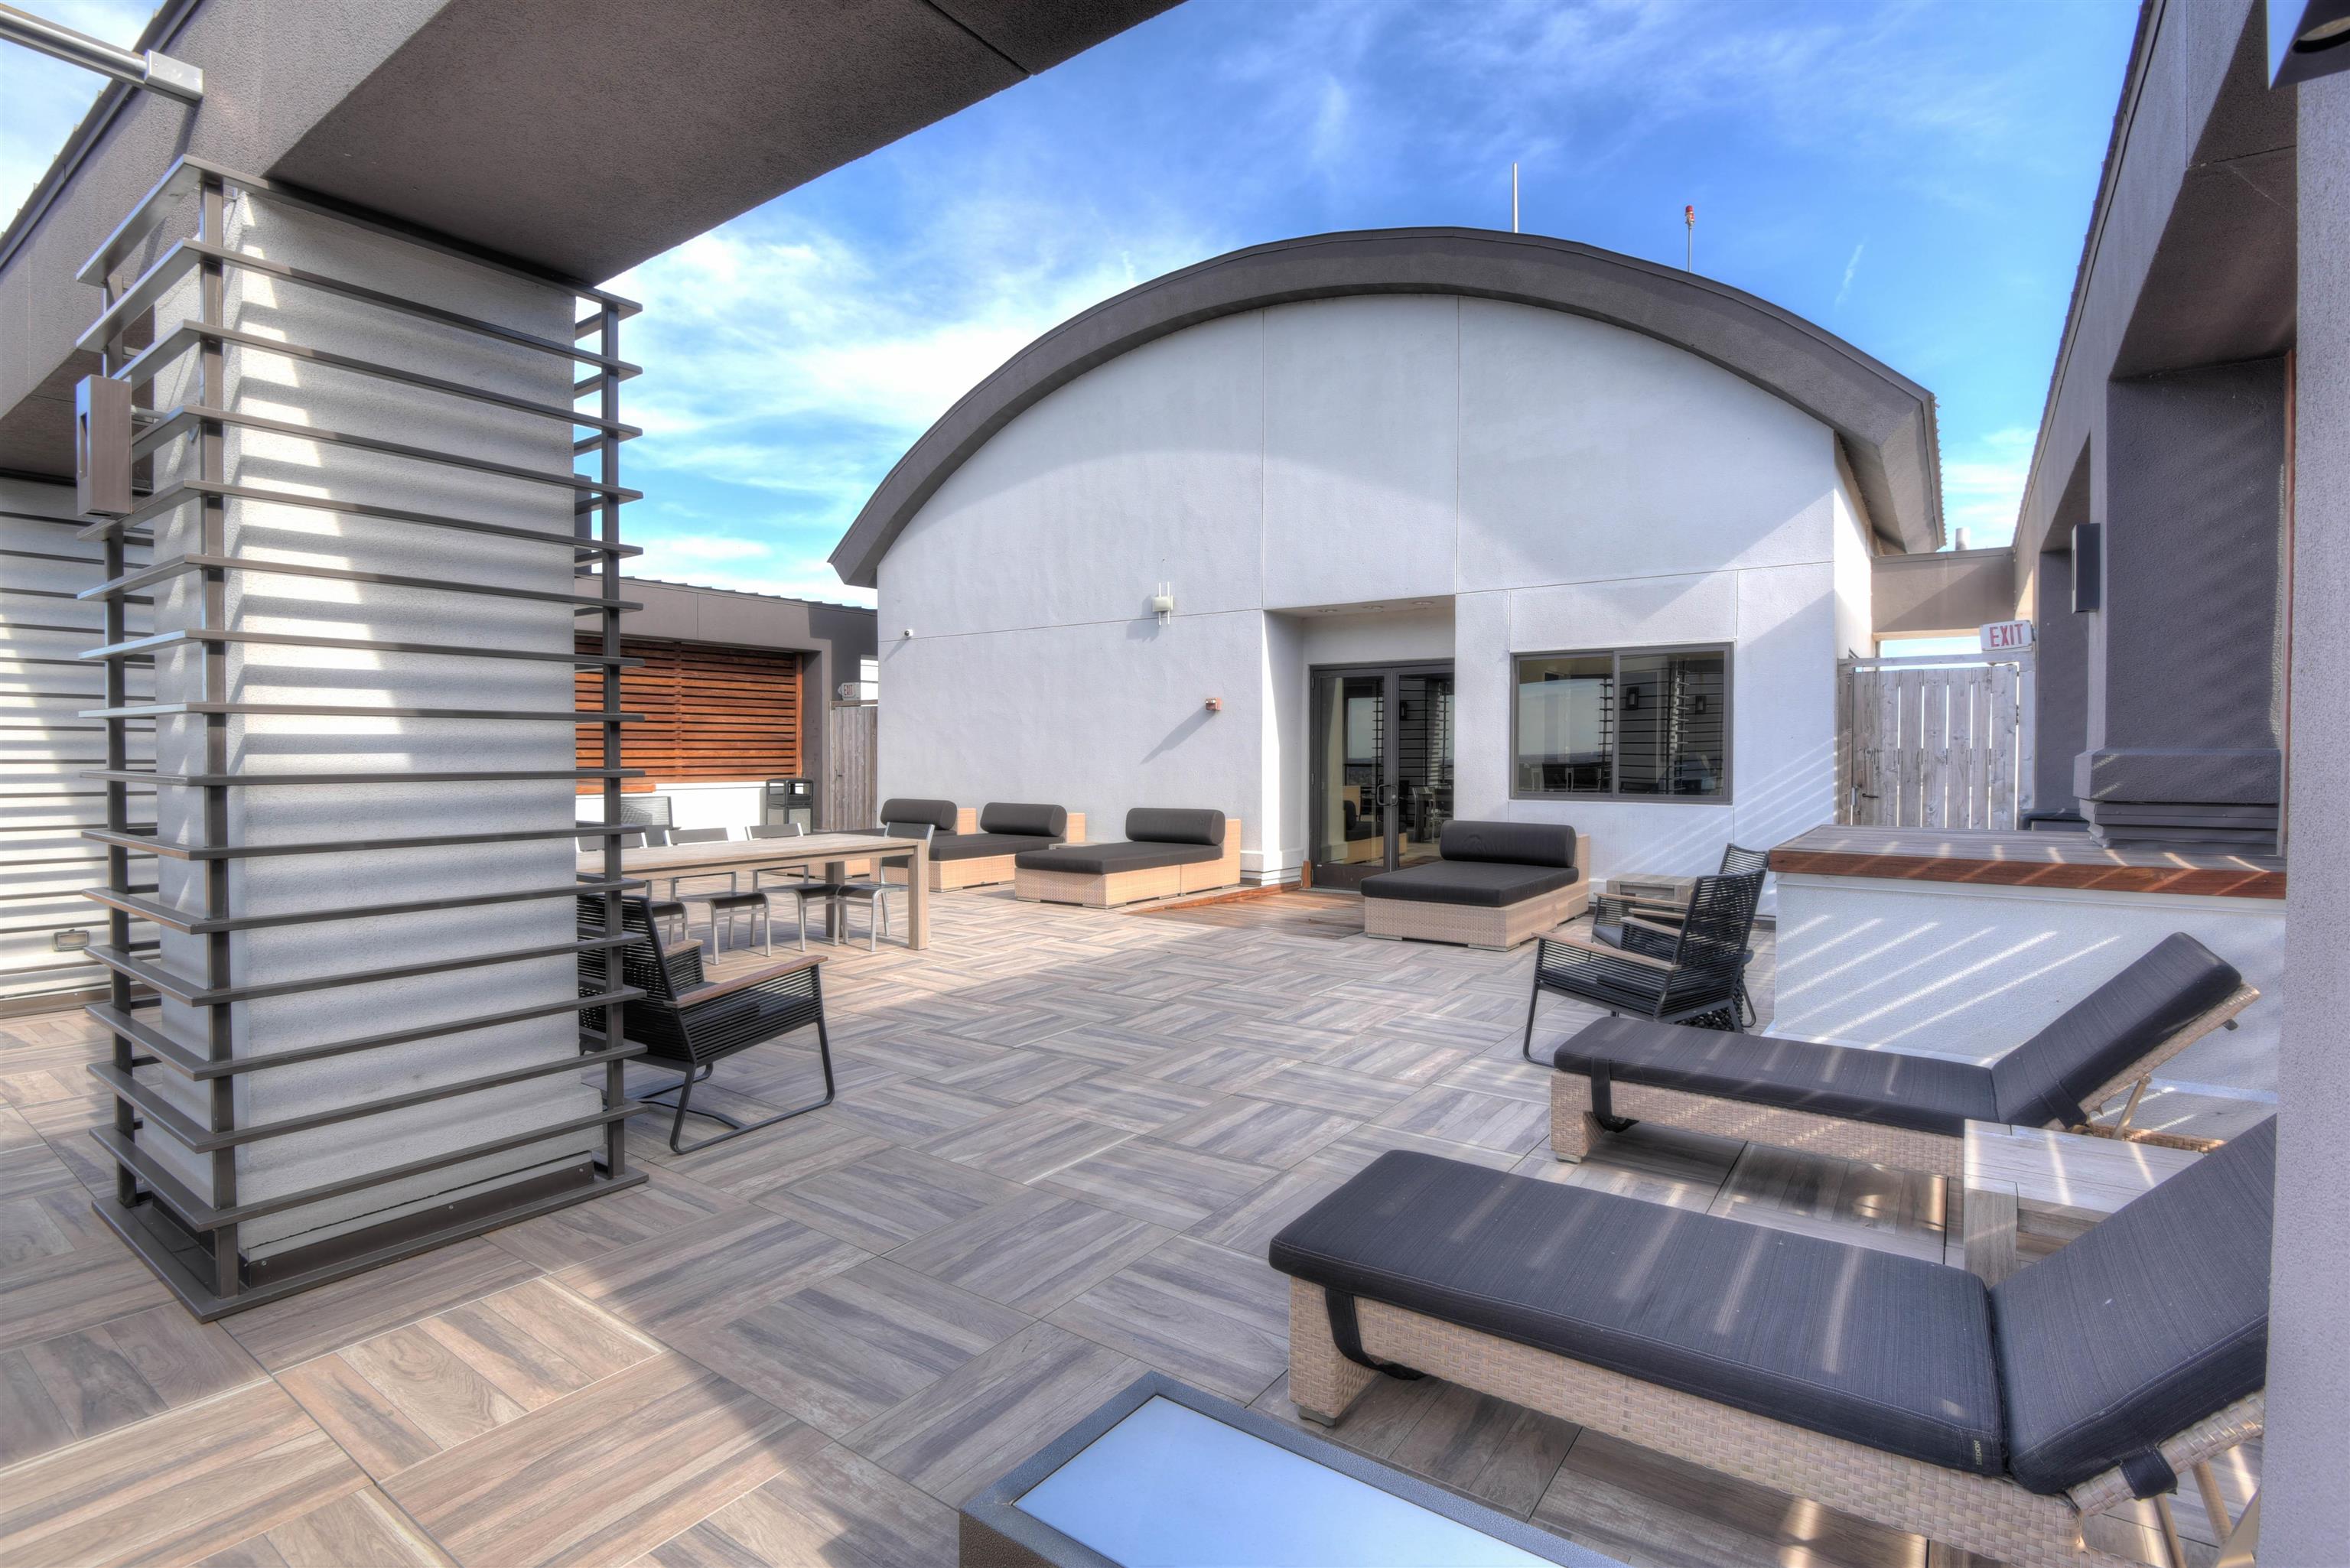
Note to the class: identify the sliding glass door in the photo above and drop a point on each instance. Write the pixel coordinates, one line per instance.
(1380, 769)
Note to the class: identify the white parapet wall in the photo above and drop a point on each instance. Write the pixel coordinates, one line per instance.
(1968, 971)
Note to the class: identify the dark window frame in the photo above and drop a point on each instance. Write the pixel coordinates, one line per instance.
(1615, 793)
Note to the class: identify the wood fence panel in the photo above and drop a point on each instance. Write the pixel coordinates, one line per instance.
(1933, 742)
(710, 712)
(851, 740)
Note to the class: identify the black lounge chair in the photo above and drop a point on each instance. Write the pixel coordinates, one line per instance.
(1694, 974)
(692, 1025)
(1638, 926)
(1905, 1391)
(1890, 1106)
(1167, 851)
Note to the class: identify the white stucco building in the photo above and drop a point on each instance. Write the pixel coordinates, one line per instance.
(1458, 523)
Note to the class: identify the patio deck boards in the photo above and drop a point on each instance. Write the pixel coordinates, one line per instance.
(1063, 1140)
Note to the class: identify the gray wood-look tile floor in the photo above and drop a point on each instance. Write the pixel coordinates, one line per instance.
(1063, 1140)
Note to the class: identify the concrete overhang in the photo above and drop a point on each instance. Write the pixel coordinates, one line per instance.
(1942, 594)
(1883, 421)
(579, 136)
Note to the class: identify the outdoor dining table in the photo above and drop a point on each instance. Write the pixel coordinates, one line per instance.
(833, 852)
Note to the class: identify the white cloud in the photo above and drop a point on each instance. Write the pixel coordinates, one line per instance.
(1849, 268)
(1982, 485)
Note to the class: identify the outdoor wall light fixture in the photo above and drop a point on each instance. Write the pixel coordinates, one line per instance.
(1162, 603)
(1215, 705)
(2307, 38)
(1631, 699)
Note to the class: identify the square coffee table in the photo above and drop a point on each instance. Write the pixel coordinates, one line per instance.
(1163, 1476)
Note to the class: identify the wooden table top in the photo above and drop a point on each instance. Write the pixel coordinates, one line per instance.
(2067, 1172)
(2025, 859)
(665, 860)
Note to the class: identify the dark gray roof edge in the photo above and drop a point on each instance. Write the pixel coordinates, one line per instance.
(1884, 421)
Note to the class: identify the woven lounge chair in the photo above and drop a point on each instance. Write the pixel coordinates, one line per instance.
(1168, 851)
(1494, 885)
(1640, 925)
(1899, 1390)
(692, 1025)
(1890, 1107)
(1694, 974)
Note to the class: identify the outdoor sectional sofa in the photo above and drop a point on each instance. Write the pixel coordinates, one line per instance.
(1901, 1390)
(1497, 884)
(1167, 852)
(972, 848)
(1890, 1108)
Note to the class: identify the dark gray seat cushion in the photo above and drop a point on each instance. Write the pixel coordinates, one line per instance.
(1101, 859)
(2042, 1080)
(939, 814)
(1015, 820)
(2152, 1321)
(1888, 1351)
(979, 846)
(1926, 1094)
(1514, 843)
(1170, 824)
(1485, 884)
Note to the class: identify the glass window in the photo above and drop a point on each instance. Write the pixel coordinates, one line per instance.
(1634, 724)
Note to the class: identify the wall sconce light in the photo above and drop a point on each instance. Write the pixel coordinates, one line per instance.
(1631, 699)
(1700, 707)
(1215, 705)
(1162, 603)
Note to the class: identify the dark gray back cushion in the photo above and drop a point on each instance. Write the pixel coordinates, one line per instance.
(940, 814)
(1515, 843)
(1025, 821)
(1170, 824)
(2041, 1081)
(2150, 1323)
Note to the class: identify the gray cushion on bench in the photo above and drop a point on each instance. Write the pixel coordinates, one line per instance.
(1517, 843)
(2153, 1321)
(1483, 884)
(1891, 1352)
(2041, 1081)
(1014, 819)
(1170, 824)
(979, 846)
(1102, 859)
(940, 814)
(1925, 1094)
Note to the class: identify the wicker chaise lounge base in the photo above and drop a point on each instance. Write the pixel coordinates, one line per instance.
(1994, 1419)
(1884, 1107)
(1205, 852)
(1398, 920)
(1979, 1513)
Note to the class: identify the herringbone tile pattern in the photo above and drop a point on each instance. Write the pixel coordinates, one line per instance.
(1063, 1140)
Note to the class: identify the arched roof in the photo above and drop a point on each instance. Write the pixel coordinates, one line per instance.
(1883, 421)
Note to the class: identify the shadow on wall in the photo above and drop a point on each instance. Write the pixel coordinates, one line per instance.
(1180, 733)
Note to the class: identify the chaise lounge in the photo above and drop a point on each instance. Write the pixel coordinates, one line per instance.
(1904, 1391)
(1167, 852)
(1496, 885)
(1890, 1107)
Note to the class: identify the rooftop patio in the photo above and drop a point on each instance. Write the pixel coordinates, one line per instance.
(1063, 1140)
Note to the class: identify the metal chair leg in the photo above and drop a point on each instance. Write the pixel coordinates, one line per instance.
(683, 1088)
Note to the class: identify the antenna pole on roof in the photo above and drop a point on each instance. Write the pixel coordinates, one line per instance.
(1513, 197)
(1689, 254)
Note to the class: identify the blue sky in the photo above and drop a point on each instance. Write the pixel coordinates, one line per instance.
(1915, 177)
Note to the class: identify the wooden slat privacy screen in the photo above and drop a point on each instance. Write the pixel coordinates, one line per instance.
(711, 713)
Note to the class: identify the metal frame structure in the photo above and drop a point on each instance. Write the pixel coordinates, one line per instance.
(192, 1241)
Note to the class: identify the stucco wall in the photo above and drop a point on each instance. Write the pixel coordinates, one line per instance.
(1567, 485)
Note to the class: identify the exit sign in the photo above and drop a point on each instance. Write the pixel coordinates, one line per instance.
(2006, 635)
